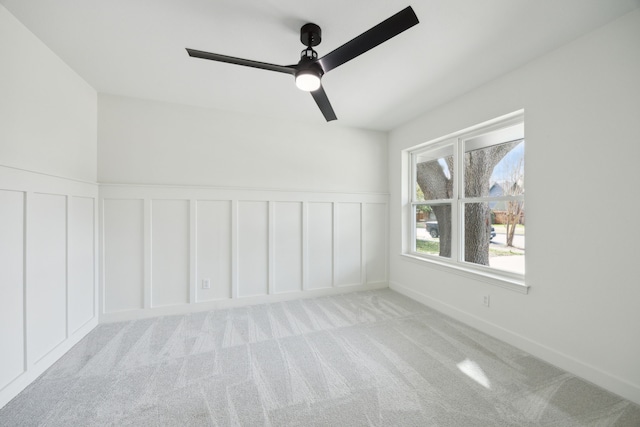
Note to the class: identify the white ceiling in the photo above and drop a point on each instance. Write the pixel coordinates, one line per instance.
(136, 48)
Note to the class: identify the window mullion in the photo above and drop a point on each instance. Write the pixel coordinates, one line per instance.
(435, 202)
(412, 179)
(457, 232)
(517, 197)
(414, 233)
(412, 197)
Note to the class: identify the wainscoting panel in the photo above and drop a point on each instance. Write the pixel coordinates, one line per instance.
(213, 249)
(11, 278)
(173, 249)
(348, 245)
(123, 254)
(81, 269)
(48, 272)
(320, 245)
(253, 247)
(287, 252)
(170, 252)
(375, 218)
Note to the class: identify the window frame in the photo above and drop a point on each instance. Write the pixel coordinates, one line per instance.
(458, 141)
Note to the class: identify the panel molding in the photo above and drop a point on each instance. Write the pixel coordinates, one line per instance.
(271, 258)
(319, 248)
(363, 247)
(334, 248)
(33, 186)
(193, 249)
(347, 263)
(212, 249)
(127, 217)
(137, 191)
(67, 253)
(12, 277)
(74, 219)
(47, 267)
(253, 239)
(286, 247)
(246, 286)
(147, 291)
(189, 189)
(170, 276)
(305, 246)
(234, 249)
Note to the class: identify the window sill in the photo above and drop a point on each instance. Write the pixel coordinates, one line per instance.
(493, 279)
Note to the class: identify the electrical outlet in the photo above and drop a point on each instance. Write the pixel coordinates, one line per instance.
(206, 284)
(485, 300)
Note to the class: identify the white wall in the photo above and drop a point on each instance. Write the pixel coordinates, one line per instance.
(48, 207)
(582, 105)
(48, 114)
(265, 210)
(147, 142)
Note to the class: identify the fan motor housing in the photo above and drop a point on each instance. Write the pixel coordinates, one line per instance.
(310, 35)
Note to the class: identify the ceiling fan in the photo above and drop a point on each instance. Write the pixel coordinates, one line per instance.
(310, 69)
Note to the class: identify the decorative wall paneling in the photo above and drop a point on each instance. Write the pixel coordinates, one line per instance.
(170, 249)
(48, 274)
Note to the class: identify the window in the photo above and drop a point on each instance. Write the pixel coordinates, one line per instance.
(467, 199)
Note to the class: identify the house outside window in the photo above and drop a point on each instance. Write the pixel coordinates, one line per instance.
(467, 199)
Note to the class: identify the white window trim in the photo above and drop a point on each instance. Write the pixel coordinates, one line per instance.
(502, 278)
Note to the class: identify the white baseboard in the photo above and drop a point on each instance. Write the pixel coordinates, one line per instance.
(14, 387)
(120, 316)
(568, 363)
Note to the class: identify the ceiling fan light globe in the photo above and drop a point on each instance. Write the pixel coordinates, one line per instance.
(308, 82)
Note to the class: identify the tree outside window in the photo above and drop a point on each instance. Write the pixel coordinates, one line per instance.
(473, 186)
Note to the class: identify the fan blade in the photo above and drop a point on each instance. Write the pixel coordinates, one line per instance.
(320, 96)
(379, 34)
(239, 61)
